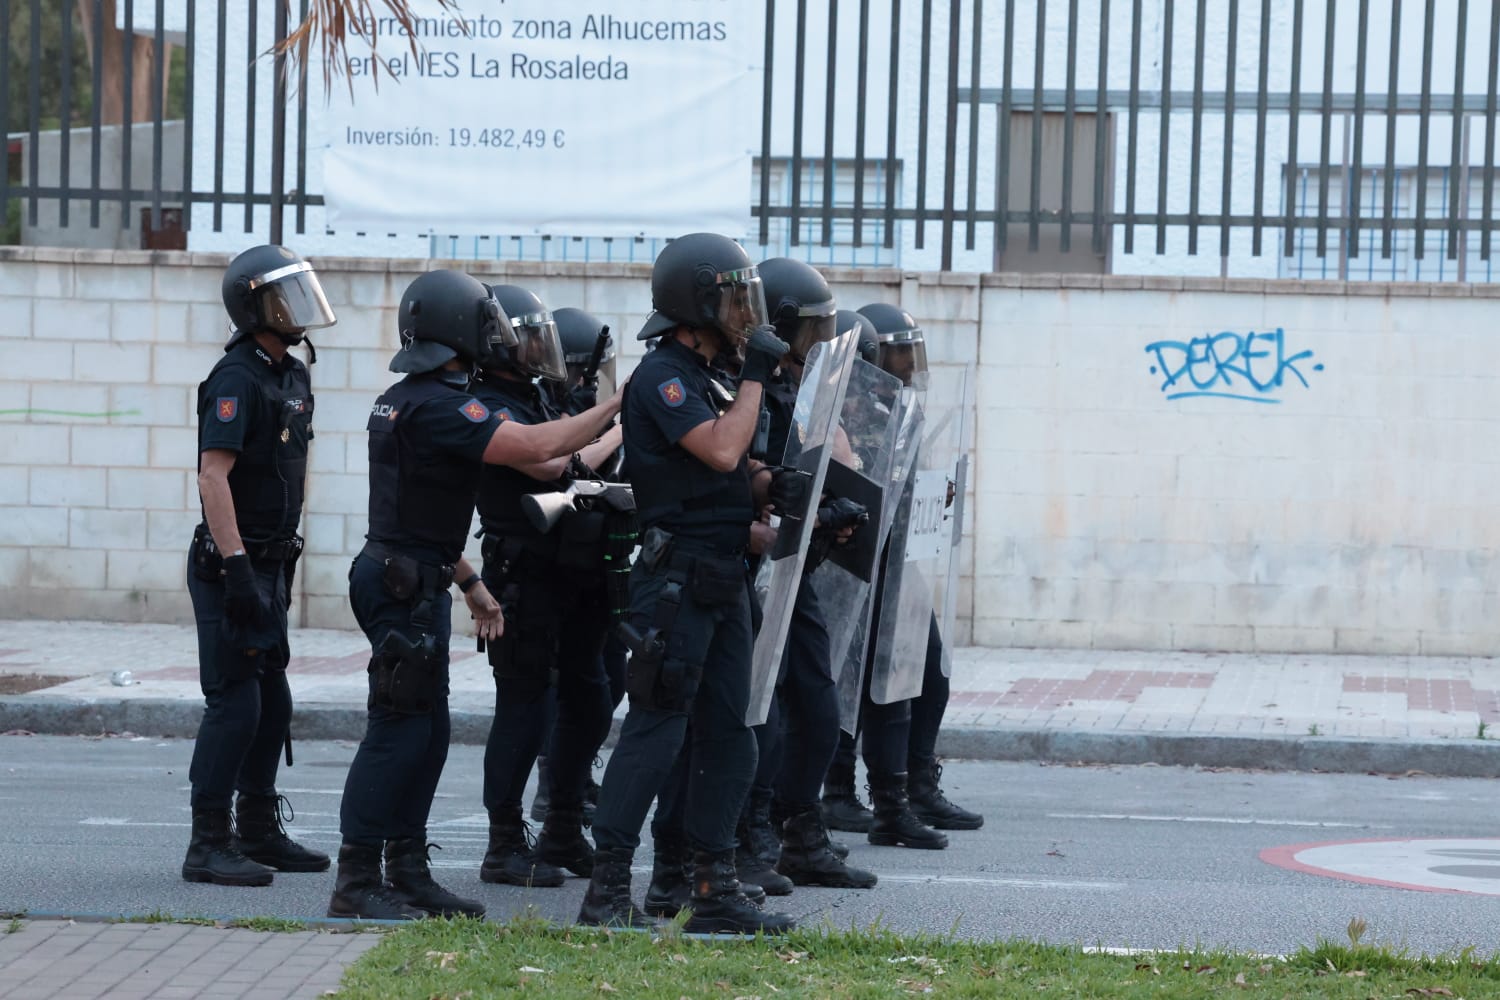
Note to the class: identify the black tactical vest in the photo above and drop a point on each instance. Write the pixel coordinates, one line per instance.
(501, 487)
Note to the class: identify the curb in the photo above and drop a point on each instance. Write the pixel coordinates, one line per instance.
(1441, 758)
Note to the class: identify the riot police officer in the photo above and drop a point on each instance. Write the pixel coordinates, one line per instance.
(801, 732)
(254, 423)
(689, 596)
(550, 585)
(428, 438)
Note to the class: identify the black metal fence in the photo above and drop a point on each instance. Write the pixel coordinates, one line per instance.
(1023, 134)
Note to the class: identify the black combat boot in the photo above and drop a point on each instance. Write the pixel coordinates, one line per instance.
(510, 860)
(409, 876)
(543, 800)
(894, 825)
(607, 902)
(718, 906)
(562, 843)
(758, 846)
(213, 857)
(842, 809)
(261, 837)
(671, 886)
(929, 804)
(361, 894)
(807, 860)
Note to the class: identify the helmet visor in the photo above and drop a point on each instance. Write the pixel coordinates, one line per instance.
(540, 350)
(741, 306)
(291, 300)
(816, 324)
(496, 334)
(904, 355)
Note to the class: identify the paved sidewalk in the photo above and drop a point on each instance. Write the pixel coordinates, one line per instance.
(44, 959)
(1339, 713)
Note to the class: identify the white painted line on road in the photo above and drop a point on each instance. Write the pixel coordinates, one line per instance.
(1230, 820)
(1014, 883)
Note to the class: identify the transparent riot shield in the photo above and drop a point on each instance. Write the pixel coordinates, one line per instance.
(815, 417)
(920, 552)
(863, 467)
(960, 383)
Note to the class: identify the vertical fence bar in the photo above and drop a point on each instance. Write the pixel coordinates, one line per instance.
(127, 116)
(278, 121)
(1034, 220)
(95, 138)
(5, 92)
(1325, 147)
(1356, 173)
(861, 95)
(1291, 142)
(950, 134)
(799, 91)
(189, 54)
(1261, 100)
(1460, 186)
(1229, 107)
(1489, 133)
(302, 136)
(890, 128)
(828, 109)
(922, 80)
(1070, 106)
(65, 125)
(975, 58)
(1134, 113)
(765, 125)
(1002, 128)
(1101, 129)
(1388, 209)
(1196, 152)
(1165, 133)
(251, 124)
(1424, 125)
(222, 63)
(158, 107)
(34, 113)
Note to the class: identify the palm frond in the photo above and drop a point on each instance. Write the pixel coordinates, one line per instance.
(330, 24)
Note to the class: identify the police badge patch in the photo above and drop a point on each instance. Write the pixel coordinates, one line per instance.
(227, 407)
(672, 392)
(474, 410)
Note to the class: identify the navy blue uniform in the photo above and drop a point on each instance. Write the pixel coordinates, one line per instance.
(551, 588)
(427, 443)
(688, 589)
(260, 409)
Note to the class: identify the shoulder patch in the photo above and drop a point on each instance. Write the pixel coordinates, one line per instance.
(475, 411)
(672, 392)
(504, 414)
(227, 408)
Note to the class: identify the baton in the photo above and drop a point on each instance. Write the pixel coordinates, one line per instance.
(591, 370)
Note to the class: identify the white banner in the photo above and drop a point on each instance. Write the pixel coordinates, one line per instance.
(557, 118)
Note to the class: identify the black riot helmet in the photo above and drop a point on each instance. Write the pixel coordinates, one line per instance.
(446, 315)
(706, 281)
(579, 332)
(903, 350)
(799, 302)
(270, 289)
(867, 343)
(537, 351)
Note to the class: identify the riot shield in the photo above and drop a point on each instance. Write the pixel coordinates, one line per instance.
(945, 603)
(920, 553)
(870, 424)
(815, 417)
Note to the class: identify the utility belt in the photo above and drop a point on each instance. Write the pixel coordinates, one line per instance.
(406, 577)
(406, 672)
(508, 556)
(209, 560)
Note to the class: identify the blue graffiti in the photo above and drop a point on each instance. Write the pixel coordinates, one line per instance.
(1228, 365)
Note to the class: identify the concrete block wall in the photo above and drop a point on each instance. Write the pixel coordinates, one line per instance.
(1344, 514)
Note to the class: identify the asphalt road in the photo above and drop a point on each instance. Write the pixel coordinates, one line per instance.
(1146, 857)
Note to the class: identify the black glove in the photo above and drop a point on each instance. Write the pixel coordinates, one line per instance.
(763, 352)
(243, 604)
(790, 492)
(840, 513)
(581, 397)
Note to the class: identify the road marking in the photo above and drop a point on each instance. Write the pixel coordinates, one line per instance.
(1230, 820)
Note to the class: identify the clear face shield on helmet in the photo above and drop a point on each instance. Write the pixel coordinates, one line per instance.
(540, 350)
(816, 324)
(291, 300)
(741, 307)
(495, 332)
(904, 355)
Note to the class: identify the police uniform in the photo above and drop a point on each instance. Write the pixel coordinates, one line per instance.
(261, 409)
(551, 587)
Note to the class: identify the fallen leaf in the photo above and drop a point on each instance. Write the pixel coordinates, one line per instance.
(1206, 970)
(1355, 973)
(681, 959)
(1433, 991)
(445, 959)
(606, 988)
(1147, 966)
(1239, 980)
(531, 968)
